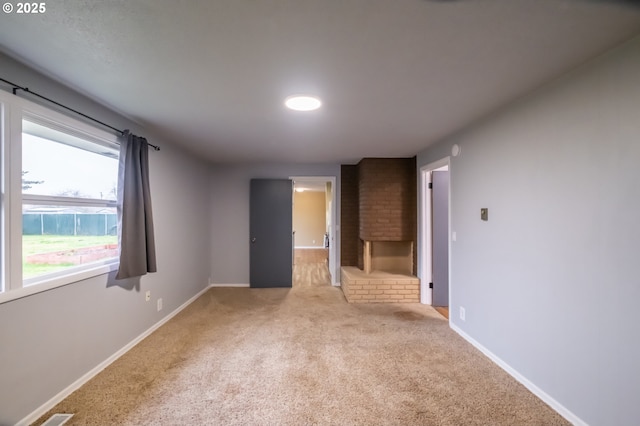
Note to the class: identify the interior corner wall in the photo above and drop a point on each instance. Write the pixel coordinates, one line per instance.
(51, 339)
(229, 191)
(550, 282)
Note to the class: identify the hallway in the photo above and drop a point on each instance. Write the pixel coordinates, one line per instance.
(311, 268)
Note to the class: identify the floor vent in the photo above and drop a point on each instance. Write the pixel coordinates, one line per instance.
(57, 420)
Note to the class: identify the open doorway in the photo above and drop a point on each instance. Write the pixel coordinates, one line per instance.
(313, 229)
(435, 231)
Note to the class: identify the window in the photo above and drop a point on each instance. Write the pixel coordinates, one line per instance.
(59, 205)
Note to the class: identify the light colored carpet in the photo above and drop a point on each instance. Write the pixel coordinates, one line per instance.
(303, 356)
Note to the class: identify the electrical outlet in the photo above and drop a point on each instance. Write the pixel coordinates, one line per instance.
(159, 304)
(147, 296)
(463, 314)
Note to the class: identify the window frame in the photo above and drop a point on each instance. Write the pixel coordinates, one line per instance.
(13, 110)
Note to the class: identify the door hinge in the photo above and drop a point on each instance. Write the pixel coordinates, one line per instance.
(430, 285)
(430, 185)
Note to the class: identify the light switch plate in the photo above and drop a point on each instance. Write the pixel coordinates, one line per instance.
(484, 213)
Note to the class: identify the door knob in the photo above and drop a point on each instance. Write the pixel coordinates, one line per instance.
(253, 240)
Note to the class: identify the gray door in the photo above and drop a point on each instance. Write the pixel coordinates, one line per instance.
(440, 223)
(270, 227)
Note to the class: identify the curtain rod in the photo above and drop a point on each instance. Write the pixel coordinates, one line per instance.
(26, 89)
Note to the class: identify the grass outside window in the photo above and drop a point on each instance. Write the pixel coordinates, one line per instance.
(36, 249)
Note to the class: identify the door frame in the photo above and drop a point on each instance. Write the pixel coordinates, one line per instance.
(425, 265)
(334, 216)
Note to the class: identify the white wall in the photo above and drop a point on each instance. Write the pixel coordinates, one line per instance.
(551, 283)
(51, 339)
(229, 191)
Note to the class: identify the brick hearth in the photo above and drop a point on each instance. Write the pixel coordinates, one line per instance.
(378, 287)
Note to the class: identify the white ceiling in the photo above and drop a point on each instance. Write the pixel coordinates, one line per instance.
(394, 75)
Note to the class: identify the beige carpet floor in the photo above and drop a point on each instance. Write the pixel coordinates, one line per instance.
(303, 356)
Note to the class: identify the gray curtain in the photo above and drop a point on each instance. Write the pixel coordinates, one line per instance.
(135, 219)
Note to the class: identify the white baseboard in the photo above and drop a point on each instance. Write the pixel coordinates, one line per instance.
(228, 285)
(35, 415)
(559, 408)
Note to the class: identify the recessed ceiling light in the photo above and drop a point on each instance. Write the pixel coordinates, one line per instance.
(302, 103)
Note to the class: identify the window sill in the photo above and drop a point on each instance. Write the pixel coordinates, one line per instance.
(49, 283)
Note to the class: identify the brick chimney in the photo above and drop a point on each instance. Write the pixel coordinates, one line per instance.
(386, 214)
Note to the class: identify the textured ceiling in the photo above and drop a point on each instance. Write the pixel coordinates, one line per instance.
(394, 76)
